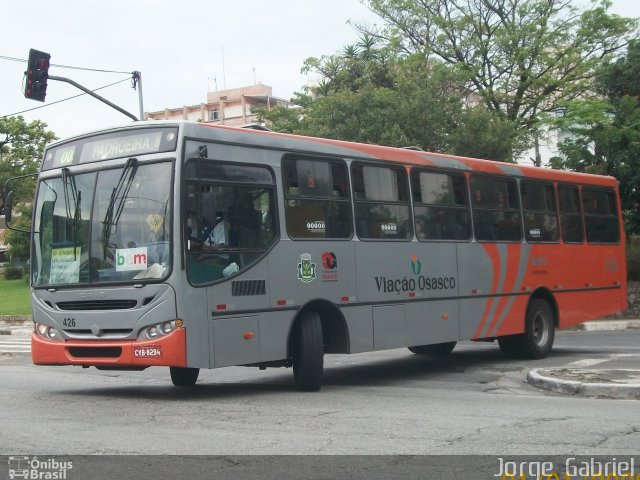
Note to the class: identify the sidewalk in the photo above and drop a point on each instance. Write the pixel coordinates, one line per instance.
(615, 377)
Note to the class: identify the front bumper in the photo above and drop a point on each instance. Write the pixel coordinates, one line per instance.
(169, 351)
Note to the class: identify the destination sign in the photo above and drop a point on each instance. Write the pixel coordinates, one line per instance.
(127, 143)
(121, 147)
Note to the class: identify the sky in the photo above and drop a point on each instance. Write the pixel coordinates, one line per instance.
(183, 49)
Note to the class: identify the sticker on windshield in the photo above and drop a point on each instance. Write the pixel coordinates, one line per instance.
(65, 265)
(131, 259)
(155, 222)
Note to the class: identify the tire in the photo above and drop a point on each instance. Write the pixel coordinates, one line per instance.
(537, 340)
(540, 329)
(308, 353)
(509, 346)
(438, 349)
(184, 377)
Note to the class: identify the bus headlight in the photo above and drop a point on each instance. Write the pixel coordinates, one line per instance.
(160, 329)
(168, 327)
(46, 331)
(152, 331)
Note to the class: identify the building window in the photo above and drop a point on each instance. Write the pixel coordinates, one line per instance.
(214, 115)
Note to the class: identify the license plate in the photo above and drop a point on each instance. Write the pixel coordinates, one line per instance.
(149, 351)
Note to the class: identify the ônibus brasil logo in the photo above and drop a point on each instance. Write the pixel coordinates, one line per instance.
(416, 266)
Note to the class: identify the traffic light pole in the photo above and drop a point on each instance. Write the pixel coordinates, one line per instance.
(137, 82)
(95, 95)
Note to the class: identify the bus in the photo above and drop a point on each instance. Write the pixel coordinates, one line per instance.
(191, 245)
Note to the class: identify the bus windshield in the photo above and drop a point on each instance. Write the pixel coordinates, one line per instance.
(102, 227)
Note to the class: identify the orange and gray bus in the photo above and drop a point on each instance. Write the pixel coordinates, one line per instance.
(195, 246)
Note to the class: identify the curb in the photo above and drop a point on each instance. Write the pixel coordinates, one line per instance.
(15, 319)
(604, 325)
(584, 389)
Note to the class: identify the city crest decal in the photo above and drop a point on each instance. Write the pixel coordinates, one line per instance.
(306, 269)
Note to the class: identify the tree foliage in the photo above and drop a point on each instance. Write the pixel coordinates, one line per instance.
(469, 77)
(370, 93)
(521, 57)
(21, 155)
(605, 132)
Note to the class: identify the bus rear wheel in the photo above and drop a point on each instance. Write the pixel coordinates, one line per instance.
(184, 377)
(308, 353)
(438, 349)
(539, 334)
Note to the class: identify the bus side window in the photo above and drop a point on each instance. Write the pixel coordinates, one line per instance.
(570, 214)
(539, 206)
(316, 200)
(382, 206)
(440, 206)
(600, 215)
(229, 221)
(496, 210)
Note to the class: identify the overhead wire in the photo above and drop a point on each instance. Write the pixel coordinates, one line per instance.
(14, 59)
(65, 99)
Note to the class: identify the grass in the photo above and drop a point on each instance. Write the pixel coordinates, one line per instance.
(15, 298)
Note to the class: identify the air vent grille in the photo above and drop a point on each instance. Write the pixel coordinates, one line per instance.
(242, 288)
(98, 305)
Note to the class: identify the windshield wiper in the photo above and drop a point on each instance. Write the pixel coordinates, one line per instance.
(70, 180)
(119, 192)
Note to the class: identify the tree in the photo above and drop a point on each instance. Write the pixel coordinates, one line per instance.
(371, 96)
(21, 155)
(605, 132)
(481, 133)
(520, 57)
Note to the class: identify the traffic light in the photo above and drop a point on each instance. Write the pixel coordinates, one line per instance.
(37, 73)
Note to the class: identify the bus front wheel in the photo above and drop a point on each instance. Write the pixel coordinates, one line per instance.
(184, 377)
(308, 353)
(537, 339)
(438, 349)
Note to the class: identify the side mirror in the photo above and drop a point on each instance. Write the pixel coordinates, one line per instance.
(21, 186)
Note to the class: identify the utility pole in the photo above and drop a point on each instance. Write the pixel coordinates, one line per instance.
(137, 82)
(94, 95)
(37, 75)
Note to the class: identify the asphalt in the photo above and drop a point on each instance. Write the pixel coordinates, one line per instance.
(614, 377)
